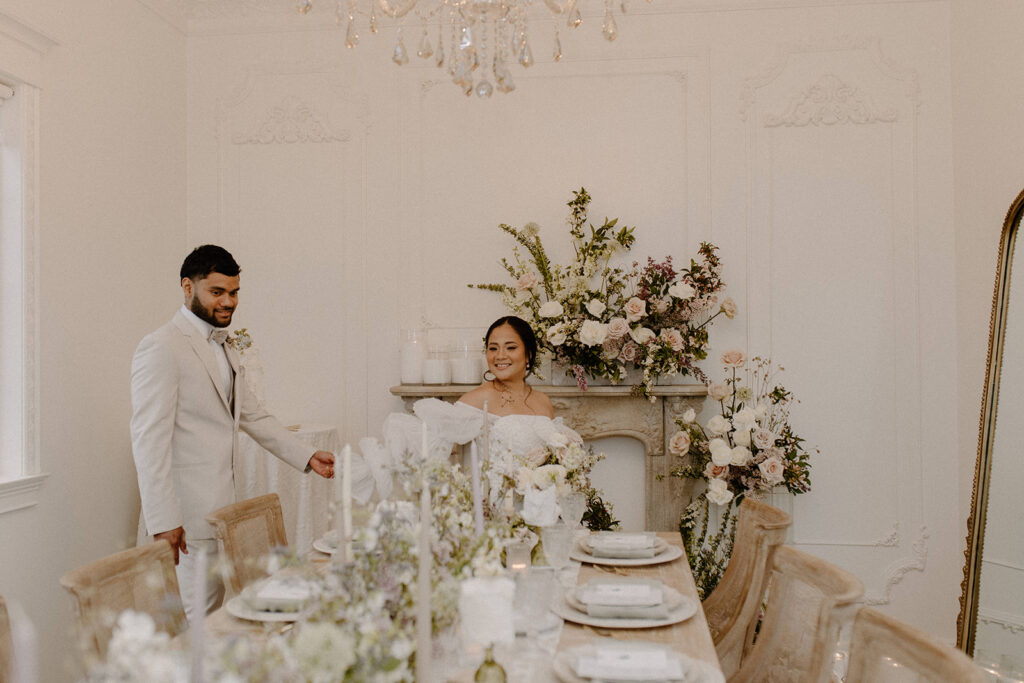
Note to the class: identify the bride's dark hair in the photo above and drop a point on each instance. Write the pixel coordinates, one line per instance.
(525, 333)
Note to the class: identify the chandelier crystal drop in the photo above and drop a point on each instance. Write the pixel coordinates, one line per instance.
(476, 39)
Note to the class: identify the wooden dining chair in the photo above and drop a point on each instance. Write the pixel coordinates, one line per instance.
(6, 645)
(733, 607)
(809, 600)
(141, 579)
(248, 531)
(885, 649)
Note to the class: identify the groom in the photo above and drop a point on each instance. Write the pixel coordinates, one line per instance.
(189, 398)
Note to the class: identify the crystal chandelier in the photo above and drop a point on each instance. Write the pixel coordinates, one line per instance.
(476, 40)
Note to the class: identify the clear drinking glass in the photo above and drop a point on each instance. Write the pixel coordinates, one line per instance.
(535, 591)
(573, 505)
(557, 541)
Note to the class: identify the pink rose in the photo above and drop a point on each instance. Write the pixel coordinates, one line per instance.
(659, 305)
(618, 328)
(733, 358)
(635, 309)
(527, 281)
(679, 444)
(536, 457)
(629, 352)
(719, 391)
(673, 338)
(772, 470)
(763, 438)
(713, 471)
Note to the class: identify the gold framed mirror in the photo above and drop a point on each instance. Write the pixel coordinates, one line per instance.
(991, 622)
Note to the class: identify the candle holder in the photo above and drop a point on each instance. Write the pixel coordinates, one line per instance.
(518, 553)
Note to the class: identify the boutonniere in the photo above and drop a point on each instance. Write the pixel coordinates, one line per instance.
(240, 340)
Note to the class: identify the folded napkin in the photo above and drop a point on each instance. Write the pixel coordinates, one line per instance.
(627, 662)
(285, 594)
(623, 599)
(623, 546)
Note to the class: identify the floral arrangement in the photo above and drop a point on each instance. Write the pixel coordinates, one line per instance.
(240, 341)
(562, 464)
(363, 628)
(748, 449)
(601, 319)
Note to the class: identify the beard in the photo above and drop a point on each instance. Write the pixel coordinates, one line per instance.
(206, 314)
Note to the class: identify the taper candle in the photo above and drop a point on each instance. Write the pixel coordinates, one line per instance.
(346, 500)
(478, 503)
(197, 625)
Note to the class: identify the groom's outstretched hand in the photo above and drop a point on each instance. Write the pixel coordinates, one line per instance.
(322, 463)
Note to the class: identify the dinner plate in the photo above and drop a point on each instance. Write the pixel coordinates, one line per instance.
(671, 597)
(681, 608)
(237, 607)
(671, 552)
(585, 545)
(694, 670)
(321, 545)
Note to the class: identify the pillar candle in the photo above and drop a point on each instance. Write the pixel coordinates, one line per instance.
(346, 500)
(197, 625)
(478, 503)
(423, 611)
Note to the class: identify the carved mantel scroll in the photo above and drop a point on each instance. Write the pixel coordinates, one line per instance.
(601, 412)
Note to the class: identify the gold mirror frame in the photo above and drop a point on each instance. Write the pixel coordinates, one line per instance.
(967, 621)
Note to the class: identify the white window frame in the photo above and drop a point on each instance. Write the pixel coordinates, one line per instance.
(21, 53)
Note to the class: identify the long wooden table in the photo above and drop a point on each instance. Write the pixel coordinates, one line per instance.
(691, 637)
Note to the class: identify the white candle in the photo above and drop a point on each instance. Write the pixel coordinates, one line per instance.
(339, 529)
(465, 370)
(411, 356)
(197, 625)
(436, 371)
(346, 499)
(423, 612)
(478, 503)
(25, 664)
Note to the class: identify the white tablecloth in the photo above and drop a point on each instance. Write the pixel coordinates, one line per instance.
(304, 497)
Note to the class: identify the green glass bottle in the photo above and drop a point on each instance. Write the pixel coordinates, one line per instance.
(490, 671)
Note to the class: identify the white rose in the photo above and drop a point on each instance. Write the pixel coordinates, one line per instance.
(689, 416)
(540, 507)
(772, 470)
(742, 437)
(679, 444)
(719, 391)
(744, 419)
(760, 411)
(719, 425)
(721, 454)
(641, 335)
(718, 492)
(764, 438)
(595, 307)
(740, 456)
(593, 333)
(556, 334)
(681, 290)
(546, 475)
(557, 440)
(636, 308)
(551, 309)
(618, 328)
(659, 305)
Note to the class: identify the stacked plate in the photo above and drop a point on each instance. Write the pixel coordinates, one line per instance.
(273, 599)
(623, 602)
(624, 549)
(617, 661)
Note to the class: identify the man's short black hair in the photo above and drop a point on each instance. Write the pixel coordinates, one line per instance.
(207, 259)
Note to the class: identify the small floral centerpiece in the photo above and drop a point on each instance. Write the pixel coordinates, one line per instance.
(601, 319)
(748, 449)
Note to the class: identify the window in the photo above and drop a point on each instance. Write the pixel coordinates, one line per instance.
(21, 50)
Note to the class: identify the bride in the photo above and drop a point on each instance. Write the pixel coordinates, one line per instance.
(520, 418)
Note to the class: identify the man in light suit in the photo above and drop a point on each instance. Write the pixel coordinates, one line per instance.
(189, 398)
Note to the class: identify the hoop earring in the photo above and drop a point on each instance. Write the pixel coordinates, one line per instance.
(486, 378)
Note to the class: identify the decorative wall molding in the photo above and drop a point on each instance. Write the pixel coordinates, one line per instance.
(1004, 620)
(290, 122)
(828, 102)
(916, 563)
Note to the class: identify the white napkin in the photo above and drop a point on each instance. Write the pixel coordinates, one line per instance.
(622, 545)
(638, 593)
(286, 594)
(625, 662)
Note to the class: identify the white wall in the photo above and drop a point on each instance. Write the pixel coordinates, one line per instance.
(837, 234)
(112, 234)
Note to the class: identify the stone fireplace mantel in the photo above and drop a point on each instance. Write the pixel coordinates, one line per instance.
(604, 411)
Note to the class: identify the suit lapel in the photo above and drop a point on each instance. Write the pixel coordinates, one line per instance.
(202, 348)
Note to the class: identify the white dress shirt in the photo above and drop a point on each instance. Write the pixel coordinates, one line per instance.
(205, 328)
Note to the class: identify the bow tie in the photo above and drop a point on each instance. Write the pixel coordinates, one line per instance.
(219, 336)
